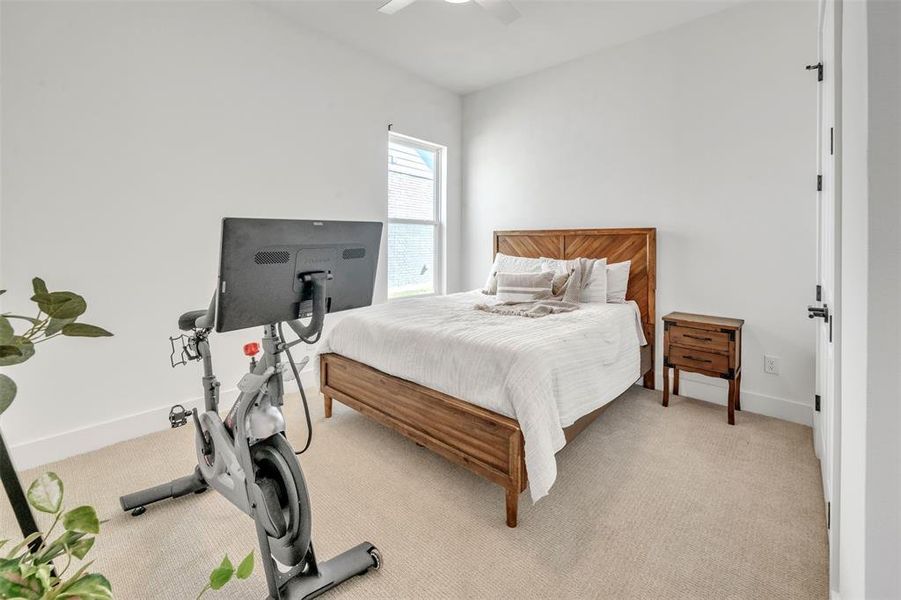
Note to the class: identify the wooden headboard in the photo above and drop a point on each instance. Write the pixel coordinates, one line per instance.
(616, 245)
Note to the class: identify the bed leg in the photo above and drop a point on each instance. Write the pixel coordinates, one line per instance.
(649, 380)
(327, 402)
(512, 506)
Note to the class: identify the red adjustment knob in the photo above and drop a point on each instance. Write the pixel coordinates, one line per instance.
(251, 349)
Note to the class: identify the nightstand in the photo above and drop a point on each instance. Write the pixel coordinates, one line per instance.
(703, 344)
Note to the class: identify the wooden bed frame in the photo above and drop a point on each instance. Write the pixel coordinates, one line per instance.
(485, 442)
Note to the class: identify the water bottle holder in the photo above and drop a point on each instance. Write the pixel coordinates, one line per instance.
(184, 352)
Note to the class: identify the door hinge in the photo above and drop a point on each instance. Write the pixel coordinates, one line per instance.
(816, 402)
(828, 515)
(819, 183)
(831, 141)
(819, 293)
(819, 69)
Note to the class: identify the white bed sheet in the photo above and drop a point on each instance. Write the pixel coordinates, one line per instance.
(544, 372)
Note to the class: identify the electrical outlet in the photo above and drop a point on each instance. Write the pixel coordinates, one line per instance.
(771, 364)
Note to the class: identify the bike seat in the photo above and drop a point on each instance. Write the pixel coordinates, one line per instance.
(199, 319)
(187, 321)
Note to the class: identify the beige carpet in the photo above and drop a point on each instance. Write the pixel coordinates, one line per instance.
(649, 503)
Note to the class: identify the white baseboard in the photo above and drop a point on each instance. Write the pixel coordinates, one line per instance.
(52, 448)
(714, 391)
(41, 451)
(49, 449)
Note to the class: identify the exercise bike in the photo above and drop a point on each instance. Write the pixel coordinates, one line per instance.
(246, 456)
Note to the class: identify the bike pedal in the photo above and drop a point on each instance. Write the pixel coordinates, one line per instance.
(178, 416)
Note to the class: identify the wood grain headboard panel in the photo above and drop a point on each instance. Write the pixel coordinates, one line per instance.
(616, 245)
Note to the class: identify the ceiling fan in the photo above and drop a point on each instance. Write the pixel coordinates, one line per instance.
(503, 10)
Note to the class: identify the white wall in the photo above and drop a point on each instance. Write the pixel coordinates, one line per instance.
(129, 130)
(870, 550)
(705, 131)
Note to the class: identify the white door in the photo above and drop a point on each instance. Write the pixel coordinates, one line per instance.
(824, 308)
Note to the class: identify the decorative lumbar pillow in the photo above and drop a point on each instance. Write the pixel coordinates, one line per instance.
(618, 281)
(513, 288)
(510, 264)
(594, 280)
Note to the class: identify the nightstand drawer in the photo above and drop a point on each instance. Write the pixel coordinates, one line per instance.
(714, 341)
(698, 359)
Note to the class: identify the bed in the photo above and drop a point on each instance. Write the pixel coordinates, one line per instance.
(433, 369)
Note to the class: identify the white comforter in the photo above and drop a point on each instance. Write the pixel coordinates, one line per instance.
(545, 372)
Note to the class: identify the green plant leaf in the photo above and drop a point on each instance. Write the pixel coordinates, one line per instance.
(81, 548)
(222, 574)
(89, 587)
(28, 539)
(82, 519)
(56, 325)
(44, 574)
(84, 330)
(26, 569)
(62, 305)
(6, 331)
(7, 392)
(9, 350)
(42, 298)
(13, 585)
(38, 285)
(26, 349)
(245, 567)
(59, 546)
(46, 493)
(63, 585)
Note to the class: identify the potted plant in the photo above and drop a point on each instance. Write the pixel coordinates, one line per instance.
(57, 315)
(27, 571)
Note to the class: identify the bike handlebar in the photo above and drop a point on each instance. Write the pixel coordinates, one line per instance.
(314, 327)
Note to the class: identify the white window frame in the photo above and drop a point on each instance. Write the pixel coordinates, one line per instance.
(437, 222)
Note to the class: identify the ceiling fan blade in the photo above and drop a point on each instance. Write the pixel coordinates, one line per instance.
(503, 10)
(392, 6)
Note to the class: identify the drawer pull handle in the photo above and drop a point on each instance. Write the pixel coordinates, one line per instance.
(695, 358)
(698, 337)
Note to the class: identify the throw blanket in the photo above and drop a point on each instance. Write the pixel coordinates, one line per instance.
(540, 308)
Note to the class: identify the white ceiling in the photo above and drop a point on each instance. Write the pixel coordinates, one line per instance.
(463, 48)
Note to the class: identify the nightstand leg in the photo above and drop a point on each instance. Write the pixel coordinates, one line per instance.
(675, 382)
(650, 380)
(738, 392)
(665, 386)
(731, 402)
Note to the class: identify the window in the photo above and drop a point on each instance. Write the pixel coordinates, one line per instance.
(415, 177)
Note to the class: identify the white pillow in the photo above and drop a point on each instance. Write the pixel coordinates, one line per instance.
(618, 281)
(594, 280)
(510, 264)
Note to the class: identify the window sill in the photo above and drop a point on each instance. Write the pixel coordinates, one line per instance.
(415, 296)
